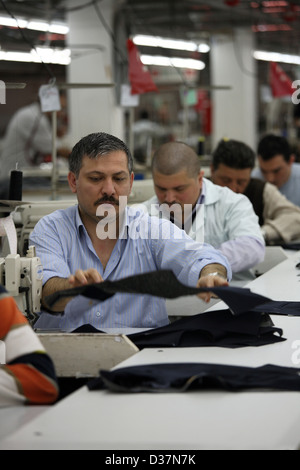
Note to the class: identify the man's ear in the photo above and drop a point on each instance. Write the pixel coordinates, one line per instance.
(200, 176)
(131, 180)
(292, 158)
(72, 182)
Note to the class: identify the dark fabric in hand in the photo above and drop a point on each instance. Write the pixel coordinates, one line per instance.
(161, 284)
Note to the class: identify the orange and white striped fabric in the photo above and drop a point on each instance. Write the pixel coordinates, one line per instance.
(28, 377)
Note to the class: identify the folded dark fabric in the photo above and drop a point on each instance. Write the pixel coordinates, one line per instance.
(290, 246)
(217, 328)
(279, 307)
(161, 284)
(182, 377)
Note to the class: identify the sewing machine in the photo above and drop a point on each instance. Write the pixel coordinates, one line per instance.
(22, 277)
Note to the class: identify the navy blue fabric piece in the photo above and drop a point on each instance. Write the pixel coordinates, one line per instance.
(182, 377)
(278, 307)
(161, 284)
(217, 328)
(290, 246)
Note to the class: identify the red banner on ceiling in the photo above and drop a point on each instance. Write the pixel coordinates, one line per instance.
(280, 82)
(139, 77)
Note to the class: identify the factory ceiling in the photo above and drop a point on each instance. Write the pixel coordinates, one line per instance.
(276, 24)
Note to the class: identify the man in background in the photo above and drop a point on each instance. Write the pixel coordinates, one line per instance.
(217, 216)
(279, 218)
(28, 141)
(277, 166)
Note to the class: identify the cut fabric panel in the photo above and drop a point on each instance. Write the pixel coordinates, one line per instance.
(183, 377)
(218, 328)
(279, 307)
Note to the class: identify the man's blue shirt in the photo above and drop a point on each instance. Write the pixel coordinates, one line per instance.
(145, 244)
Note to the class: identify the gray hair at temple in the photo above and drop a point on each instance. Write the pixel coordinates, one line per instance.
(173, 157)
(234, 154)
(95, 145)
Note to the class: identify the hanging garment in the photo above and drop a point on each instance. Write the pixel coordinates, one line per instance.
(182, 377)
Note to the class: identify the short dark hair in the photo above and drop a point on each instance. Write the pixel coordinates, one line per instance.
(94, 145)
(234, 154)
(272, 145)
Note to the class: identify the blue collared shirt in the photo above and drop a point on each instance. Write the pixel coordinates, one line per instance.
(145, 244)
(290, 189)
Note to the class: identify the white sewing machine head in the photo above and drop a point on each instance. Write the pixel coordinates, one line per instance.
(22, 277)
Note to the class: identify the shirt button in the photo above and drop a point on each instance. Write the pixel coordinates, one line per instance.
(98, 314)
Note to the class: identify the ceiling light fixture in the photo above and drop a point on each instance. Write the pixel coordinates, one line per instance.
(173, 62)
(277, 57)
(39, 55)
(156, 41)
(58, 28)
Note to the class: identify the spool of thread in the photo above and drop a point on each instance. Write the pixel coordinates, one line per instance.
(15, 185)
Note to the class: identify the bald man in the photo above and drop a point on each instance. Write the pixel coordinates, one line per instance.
(208, 213)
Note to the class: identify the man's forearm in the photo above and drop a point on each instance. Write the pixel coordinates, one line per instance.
(53, 285)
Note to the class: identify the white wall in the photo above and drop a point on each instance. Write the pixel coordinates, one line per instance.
(232, 63)
(92, 110)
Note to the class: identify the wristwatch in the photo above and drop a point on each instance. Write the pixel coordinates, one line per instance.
(215, 273)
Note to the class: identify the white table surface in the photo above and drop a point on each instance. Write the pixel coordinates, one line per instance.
(191, 420)
(257, 419)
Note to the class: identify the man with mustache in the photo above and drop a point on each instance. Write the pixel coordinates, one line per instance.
(104, 239)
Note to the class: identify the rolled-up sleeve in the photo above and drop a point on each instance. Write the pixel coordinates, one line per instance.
(185, 257)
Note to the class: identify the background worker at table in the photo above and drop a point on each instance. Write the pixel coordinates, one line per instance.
(28, 377)
(75, 249)
(277, 166)
(218, 216)
(232, 163)
(28, 140)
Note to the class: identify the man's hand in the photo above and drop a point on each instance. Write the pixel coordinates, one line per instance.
(213, 275)
(80, 278)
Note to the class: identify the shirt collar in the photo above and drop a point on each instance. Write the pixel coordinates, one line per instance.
(124, 223)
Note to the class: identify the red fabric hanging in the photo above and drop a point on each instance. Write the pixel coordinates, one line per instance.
(281, 84)
(139, 77)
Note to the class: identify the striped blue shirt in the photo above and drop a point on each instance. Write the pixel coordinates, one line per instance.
(145, 244)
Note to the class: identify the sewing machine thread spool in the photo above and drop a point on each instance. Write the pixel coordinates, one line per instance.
(15, 185)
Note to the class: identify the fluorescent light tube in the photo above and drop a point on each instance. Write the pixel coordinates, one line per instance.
(156, 41)
(172, 62)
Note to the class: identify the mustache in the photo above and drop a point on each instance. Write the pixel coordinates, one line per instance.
(107, 199)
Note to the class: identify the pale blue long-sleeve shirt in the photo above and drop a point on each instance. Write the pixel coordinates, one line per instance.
(145, 244)
(290, 189)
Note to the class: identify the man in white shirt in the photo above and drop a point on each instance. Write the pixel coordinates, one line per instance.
(28, 141)
(207, 212)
